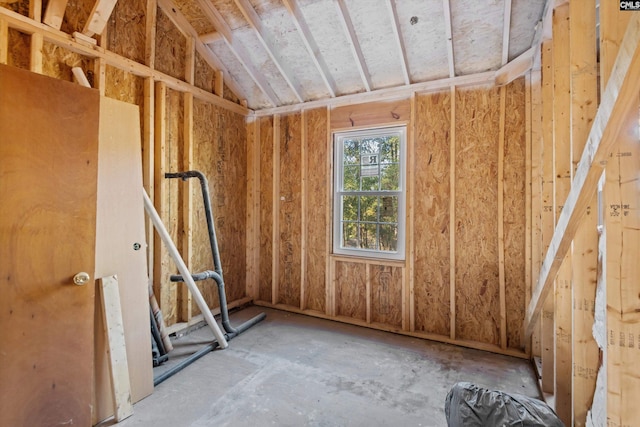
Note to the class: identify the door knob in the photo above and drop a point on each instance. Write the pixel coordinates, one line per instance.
(81, 278)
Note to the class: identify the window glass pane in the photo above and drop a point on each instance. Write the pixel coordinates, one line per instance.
(349, 235)
(388, 237)
(390, 176)
(370, 183)
(368, 236)
(351, 152)
(350, 208)
(389, 209)
(369, 208)
(390, 150)
(351, 178)
(370, 145)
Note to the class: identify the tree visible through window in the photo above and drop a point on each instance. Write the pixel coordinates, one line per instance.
(369, 193)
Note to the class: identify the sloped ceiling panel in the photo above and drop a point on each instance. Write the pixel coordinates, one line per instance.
(422, 26)
(477, 35)
(333, 44)
(525, 15)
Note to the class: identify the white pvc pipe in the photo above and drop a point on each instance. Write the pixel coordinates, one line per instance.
(182, 268)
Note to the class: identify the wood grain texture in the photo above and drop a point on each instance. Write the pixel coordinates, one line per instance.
(477, 296)
(171, 47)
(47, 226)
(290, 210)
(431, 205)
(57, 62)
(386, 294)
(120, 226)
(514, 210)
(220, 154)
(317, 221)
(351, 290)
(18, 49)
(371, 114)
(266, 209)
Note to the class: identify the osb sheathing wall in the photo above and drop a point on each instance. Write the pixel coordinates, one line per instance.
(179, 131)
(449, 288)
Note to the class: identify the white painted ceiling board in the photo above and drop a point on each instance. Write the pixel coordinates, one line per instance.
(477, 35)
(524, 18)
(333, 44)
(424, 37)
(477, 38)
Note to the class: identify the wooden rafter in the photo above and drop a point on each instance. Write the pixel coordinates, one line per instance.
(354, 44)
(239, 51)
(619, 96)
(255, 22)
(311, 45)
(506, 31)
(173, 13)
(446, 6)
(395, 25)
(99, 17)
(54, 13)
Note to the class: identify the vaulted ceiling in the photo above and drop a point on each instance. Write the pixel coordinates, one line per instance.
(277, 53)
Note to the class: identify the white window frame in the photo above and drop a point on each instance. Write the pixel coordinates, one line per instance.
(338, 193)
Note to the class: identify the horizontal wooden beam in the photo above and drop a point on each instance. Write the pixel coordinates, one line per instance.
(619, 97)
(385, 94)
(66, 41)
(516, 68)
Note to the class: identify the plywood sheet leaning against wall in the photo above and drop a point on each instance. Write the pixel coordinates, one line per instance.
(351, 289)
(120, 249)
(290, 237)
(476, 264)
(265, 277)
(317, 187)
(431, 224)
(514, 210)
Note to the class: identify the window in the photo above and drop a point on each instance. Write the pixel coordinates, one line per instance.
(369, 193)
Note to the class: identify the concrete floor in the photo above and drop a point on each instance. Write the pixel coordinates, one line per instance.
(294, 370)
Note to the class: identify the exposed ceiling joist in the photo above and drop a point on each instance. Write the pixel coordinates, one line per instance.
(255, 22)
(311, 45)
(99, 17)
(352, 38)
(217, 20)
(506, 32)
(54, 13)
(402, 51)
(183, 25)
(446, 6)
(385, 94)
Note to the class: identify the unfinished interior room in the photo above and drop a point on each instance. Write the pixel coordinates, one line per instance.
(319, 212)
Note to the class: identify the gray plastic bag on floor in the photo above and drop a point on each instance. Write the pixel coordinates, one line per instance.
(468, 405)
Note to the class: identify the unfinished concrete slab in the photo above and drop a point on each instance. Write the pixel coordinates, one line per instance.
(294, 370)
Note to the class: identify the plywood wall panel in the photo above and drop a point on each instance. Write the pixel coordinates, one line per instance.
(19, 49)
(20, 6)
(476, 264)
(126, 29)
(57, 62)
(351, 290)
(220, 154)
(205, 75)
(431, 213)
(265, 279)
(76, 15)
(124, 86)
(514, 210)
(169, 212)
(386, 294)
(290, 199)
(316, 212)
(171, 47)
